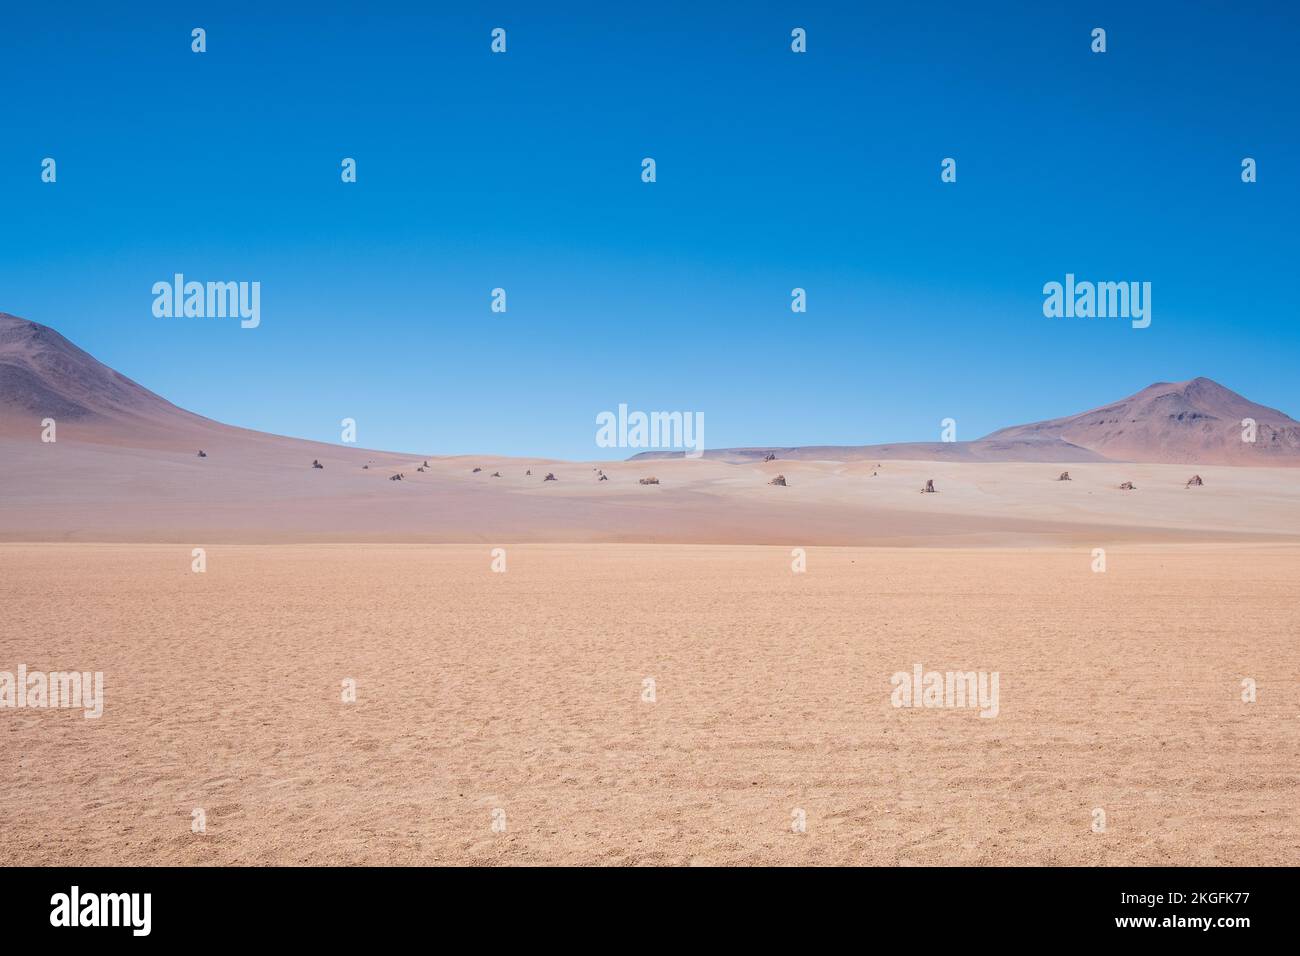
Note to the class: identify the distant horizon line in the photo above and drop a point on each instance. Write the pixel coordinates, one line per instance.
(667, 451)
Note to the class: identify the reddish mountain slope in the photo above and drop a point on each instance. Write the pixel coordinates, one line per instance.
(42, 375)
(1193, 422)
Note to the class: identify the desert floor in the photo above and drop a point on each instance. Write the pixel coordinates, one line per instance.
(263, 490)
(522, 692)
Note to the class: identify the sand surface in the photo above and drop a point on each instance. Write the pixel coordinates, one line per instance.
(522, 692)
(262, 489)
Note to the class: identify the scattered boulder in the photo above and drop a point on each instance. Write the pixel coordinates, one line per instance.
(1065, 476)
(778, 480)
(770, 456)
(421, 468)
(365, 467)
(528, 473)
(1194, 480)
(550, 476)
(1128, 486)
(316, 464)
(202, 453)
(397, 477)
(603, 477)
(476, 471)
(929, 488)
(426, 463)
(650, 481)
(496, 474)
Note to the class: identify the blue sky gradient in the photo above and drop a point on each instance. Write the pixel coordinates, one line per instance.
(775, 170)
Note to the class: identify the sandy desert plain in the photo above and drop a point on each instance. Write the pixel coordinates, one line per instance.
(506, 718)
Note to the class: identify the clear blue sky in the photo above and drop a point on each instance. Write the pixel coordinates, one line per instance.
(775, 170)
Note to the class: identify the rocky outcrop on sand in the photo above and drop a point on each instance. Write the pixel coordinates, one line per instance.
(650, 481)
(1065, 476)
(778, 480)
